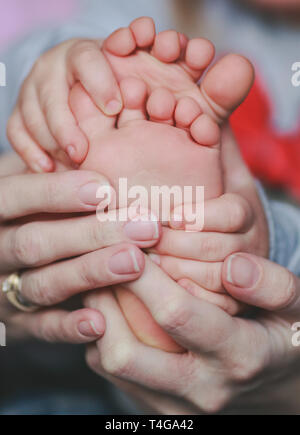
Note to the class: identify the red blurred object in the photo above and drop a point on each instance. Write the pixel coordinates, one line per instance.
(271, 156)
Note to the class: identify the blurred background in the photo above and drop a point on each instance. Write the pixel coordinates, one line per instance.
(18, 16)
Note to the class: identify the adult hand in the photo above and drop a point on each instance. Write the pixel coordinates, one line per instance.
(106, 253)
(235, 222)
(230, 362)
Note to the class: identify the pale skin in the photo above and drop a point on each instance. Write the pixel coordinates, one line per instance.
(161, 400)
(36, 245)
(157, 153)
(194, 57)
(259, 364)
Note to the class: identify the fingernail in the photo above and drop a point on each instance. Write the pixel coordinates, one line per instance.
(113, 107)
(89, 329)
(71, 150)
(242, 272)
(155, 258)
(142, 231)
(89, 192)
(124, 263)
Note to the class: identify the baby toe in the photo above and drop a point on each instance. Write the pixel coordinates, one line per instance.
(205, 131)
(143, 30)
(167, 47)
(161, 106)
(121, 42)
(199, 53)
(187, 110)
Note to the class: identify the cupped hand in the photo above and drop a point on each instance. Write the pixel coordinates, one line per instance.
(230, 363)
(61, 253)
(42, 123)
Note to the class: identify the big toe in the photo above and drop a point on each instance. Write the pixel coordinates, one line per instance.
(227, 84)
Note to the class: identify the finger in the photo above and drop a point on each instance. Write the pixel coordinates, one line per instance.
(39, 243)
(56, 283)
(198, 246)
(11, 164)
(34, 119)
(92, 69)
(54, 102)
(58, 326)
(206, 275)
(73, 191)
(36, 159)
(146, 399)
(261, 283)
(229, 213)
(186, 319)
(223, 301)
(122, 356)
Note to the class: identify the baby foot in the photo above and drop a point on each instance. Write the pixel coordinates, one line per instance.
(151, 153)
(171, 61)
(179, 145)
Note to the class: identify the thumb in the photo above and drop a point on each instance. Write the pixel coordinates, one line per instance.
(261, 283)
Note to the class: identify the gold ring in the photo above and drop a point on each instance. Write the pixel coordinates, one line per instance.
(11, 287)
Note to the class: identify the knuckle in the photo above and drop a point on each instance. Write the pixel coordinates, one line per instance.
(215, 402)
(83, 52)
(91, 276)
(211, 248)
(48, 333)
(212, 276)
(173, 316)
(38, 66)
(41, 292)
(95, 234)
(118, 360)
(246, 369)
(27, 245)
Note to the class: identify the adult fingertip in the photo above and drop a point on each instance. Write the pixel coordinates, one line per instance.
(91, 324)
(128, 261)
(90, 329)
(241, 272)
